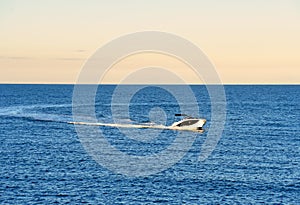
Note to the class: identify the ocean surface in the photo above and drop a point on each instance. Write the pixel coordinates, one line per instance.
(43, 160)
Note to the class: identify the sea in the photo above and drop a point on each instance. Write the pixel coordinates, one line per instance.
(45, 159)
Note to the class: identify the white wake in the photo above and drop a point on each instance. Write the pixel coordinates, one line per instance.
(138, 126)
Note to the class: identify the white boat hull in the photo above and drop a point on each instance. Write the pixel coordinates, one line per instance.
(190, 124)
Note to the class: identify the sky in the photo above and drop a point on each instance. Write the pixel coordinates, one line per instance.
(249, 42)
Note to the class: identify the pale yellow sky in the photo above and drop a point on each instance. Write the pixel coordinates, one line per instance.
(248, 41)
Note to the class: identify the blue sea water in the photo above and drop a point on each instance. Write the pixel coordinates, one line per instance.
(257, 159)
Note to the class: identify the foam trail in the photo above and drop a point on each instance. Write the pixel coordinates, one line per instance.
(140, 126)
(29, 112)
(32, 113)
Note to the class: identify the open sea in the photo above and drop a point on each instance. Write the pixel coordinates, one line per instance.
(43, 159)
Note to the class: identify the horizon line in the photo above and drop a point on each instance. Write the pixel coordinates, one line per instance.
(59, 83)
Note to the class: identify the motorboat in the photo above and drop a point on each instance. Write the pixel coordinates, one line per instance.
(189, 123)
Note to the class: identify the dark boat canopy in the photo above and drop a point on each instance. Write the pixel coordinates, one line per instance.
(183, 115)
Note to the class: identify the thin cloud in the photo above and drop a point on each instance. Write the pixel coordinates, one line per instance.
(80, 50)
(69, 59)
(33, 58)
(16, 57)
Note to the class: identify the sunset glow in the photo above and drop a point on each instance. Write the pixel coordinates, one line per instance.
(249, 42)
